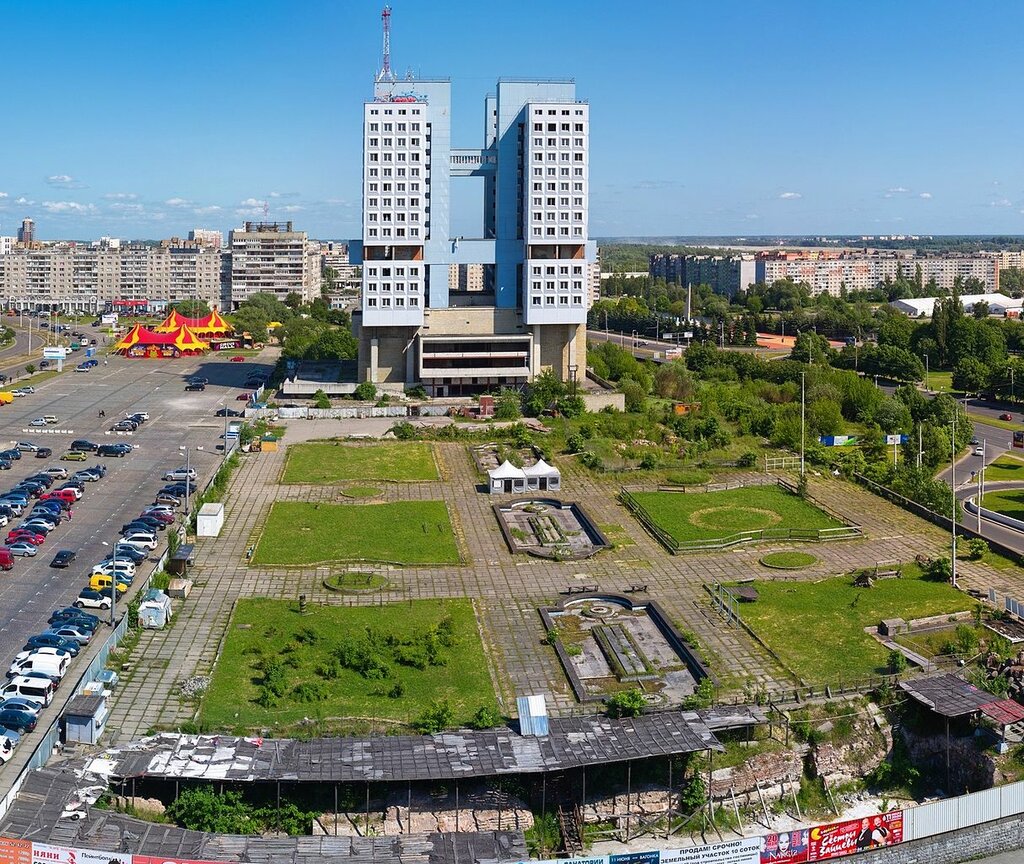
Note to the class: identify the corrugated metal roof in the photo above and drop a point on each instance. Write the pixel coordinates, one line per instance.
(948, 695)
(533, 715)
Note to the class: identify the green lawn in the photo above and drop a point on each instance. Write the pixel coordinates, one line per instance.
(310, 649)
(818, 628)
(1006, 467)
(788, 560)
(1009, 502)
(334, 461)
(707, 516)
(940, 381)
(402, 532)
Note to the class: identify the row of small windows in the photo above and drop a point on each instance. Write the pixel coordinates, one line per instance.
(562, 217)
(537, 157)
(562, 202)
(400, 287)
(563, 285)
(401, 112)
(399, 187)
(539, 112)
(386, 202)
(562, 187)
(577, 300)
(550, 231)
(552, 142)
(400, 172)
(400, 142)
(386, 232)
(563, 270)
(386, 217)
(560, 172)
(372, 270)
(399, 157)
(385, 302)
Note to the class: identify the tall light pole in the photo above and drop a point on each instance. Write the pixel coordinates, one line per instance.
(188, 479)
(113, 587)
(952, 481)
(981, 481)
(927, 375)
(802, 420)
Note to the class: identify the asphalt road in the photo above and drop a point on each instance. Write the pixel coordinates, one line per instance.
(32, 590)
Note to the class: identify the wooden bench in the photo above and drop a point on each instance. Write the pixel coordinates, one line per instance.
(636, 589)
(579, 589)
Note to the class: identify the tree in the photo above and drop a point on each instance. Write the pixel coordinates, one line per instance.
(980, 309)
(508, 405)
(824, 417)
(542, 393)
(636, 396)
(970, 375)
(674, 381)
(438, 717)
(293, 300)
(365, 392)
(31, 368)
(321, 400)
(192, 308)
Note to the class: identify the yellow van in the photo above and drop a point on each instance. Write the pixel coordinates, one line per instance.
(99, 581)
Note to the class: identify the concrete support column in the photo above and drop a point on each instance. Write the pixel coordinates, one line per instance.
(410, 362)
(535, 361)
(371, 369)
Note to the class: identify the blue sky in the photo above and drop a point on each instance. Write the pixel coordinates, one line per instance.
(144, 119)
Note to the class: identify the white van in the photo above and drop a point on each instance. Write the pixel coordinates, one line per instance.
(36, 690)
(50, 419)
(48, 664)
(140, 540)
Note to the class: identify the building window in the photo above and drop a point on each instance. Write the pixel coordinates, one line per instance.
(371, 301)
(414, 301)
(535, 301)
(549, 301)
(563, 301)
(577, 300)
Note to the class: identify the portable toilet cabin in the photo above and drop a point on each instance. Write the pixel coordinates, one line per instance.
(155, 610)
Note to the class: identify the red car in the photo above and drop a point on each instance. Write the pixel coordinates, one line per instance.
(243, 397)
(28, 536)
(238, 359)
(164, 517)
(1006, 416)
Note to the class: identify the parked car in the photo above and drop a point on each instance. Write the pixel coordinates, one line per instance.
(17, 720)
(63, 558)
(195, 387)
(83, 445)
(162, 515)
(37, 421)
(27, 446)
(109, 450)
(144, 523)
(44, 453)
(243, 397)
(22, 548)
(238, 358)
(29, 536)
(13, 454)
(124, 426)
(179, 487)
(75, 456)
(18, 703)
(51, 640)
(141, 415)
(1006, 416)
(66, 631)
(8, 741)
(228, 412)
(125, 550)
(70, 612)
(141, 539)
(93, 599)
(168, 499)
(5, 465)
(182, 473)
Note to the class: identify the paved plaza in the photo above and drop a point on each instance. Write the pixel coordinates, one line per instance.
(507, 589)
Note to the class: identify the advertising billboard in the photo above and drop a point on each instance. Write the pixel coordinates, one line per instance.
(857, 835)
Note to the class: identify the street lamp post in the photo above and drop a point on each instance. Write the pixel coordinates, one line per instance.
(113, 588)
(802, 421)
(981, 481)
(952, 482)
(927, 375)
(188, 480)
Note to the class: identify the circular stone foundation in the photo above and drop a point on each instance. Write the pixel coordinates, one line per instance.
(755, 518)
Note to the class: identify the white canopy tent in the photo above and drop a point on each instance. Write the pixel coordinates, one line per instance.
(507, 478)
(542, 477)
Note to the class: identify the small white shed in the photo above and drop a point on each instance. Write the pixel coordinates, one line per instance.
(210, 520)
(84, 719)
(155, 610)
(507, 478)
(542, 477)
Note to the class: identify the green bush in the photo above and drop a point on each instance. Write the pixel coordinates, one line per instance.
(436, 718)
(977, 548)
(702, 697)
(896, 662)
(508, 405)
(365, 392)
(747, 460)
(404, 431)
(321, 400)
(626, 703)
(485, 718)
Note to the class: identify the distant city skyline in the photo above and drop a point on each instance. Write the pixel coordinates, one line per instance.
(734, 118)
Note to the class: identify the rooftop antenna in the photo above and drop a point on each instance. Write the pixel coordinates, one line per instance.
(266, 210)
(385, 73)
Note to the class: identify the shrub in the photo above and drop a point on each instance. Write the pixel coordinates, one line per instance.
(438, 717)
(649, 461)
(397, 690)
(896, 662)
(310, 691)
(321, 400)
(626, 703)
(976, 548)
(404, 431)
(702, 697)
(939, 570)
(365, 392)
(575, 443)
(485, 718)
(508, 405)
(747, 460)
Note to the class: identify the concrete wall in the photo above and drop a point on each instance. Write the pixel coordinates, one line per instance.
(599, 401)
(989, 838)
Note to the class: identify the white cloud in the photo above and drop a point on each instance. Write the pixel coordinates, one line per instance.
(200, 211)
(898, 190)
(3, 195)
(120, 196)
(251, 202)
(790, 196)
(64, 181)
(177, 202)
(752, 216)
(23, 200)
(1001, 202)
(292, 208)
(925, 195)
(68, 207)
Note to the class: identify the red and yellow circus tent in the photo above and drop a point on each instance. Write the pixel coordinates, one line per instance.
(210, 325)
(142, 342)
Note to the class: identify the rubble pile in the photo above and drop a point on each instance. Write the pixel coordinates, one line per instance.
(776, 773)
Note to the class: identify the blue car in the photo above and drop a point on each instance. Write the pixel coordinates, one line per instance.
(17, 720)
(52, 640)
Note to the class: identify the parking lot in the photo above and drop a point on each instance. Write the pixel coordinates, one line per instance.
(178, 419)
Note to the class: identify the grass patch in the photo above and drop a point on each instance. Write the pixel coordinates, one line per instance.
(1006, 467)
(38, 378)
(818, 628)
(270, 639)
(334, 461)
(362, 491)
(1009, 502)
(994, 421)
(788, 560)
(935, 643)
(710, 515)
(940, 382)
(403, 532)
(357, 582)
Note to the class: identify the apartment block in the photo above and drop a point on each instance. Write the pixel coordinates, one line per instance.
(521, 306)
(272, 258)
(726, 274)
(7, 245)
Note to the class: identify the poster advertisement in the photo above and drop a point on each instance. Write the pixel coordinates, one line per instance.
(44, 853)
(857, 835)
(786, 847)
(744, 851)
(15, 851)
(150, 859)
(1018, 440)
(635, 858)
